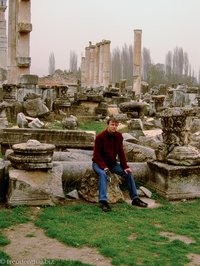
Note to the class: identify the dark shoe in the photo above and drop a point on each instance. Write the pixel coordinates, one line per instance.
(105, 206)
(138, 202)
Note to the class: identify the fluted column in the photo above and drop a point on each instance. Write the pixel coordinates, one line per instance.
(106, 63)
(19, 28)
(96, 65)
(137, 62)
(91, 71)
(3, 37)
(100, 64)
(87, 66)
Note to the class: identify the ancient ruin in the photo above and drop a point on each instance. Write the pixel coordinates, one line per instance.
(3, 37)
(160, 124)
(137, 62)
(33, 179)
(175, 173)
(19, 28)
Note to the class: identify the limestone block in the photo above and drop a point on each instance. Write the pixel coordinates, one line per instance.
(35, 187)
(175, 182)
(28, 79)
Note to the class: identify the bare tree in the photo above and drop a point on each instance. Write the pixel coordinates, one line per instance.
(73, 62)
(51, 63)
(146, 63)
(186, 64)
(116, 65)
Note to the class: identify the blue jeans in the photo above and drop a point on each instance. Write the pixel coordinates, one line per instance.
(117, 169)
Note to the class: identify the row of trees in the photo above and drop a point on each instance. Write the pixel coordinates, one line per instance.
(73, 63)
(177, 68)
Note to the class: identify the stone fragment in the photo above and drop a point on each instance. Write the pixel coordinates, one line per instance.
(147, 192)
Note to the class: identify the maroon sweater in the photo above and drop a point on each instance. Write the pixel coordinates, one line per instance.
(106, 149)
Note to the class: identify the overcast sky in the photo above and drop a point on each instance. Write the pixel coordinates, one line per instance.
(63, 25)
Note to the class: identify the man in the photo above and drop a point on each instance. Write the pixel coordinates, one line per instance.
(108, 146)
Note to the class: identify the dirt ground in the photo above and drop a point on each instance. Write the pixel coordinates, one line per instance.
(30, 246)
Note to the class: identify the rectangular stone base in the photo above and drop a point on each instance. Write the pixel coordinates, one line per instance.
(175, 182)
(35, 187)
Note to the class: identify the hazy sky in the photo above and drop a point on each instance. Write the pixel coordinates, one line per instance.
(63, 25)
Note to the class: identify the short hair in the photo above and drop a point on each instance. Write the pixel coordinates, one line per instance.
(113, 119)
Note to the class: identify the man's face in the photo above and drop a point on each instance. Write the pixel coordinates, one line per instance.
(112, 126)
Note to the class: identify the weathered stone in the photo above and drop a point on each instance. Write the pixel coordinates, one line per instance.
(89, 187)
(35, 188)
(175, 182)
(36, 123)
(184, 155)
(146, 191)
(28, 79)
(62, 139)
(22, 122)
(138, 153)
(32, 155)
(133, 107)
(35, 107)
(73, 194)
(70, 122)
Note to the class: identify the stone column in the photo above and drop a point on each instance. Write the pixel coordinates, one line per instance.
(106, 63)
(87, 65)
(91, 67)
(3, 37)
(100, 64)
(176, 126)
(96, 65)
(137, 62)
(19, 28)
(83, 72)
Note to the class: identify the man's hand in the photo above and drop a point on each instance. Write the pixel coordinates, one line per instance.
(106, 170)
(128, 170)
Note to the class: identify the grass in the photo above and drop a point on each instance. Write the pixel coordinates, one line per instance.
(92, 125)
(111, 233)
(9, 217)
(128, 235)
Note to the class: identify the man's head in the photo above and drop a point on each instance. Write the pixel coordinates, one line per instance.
(112, 123)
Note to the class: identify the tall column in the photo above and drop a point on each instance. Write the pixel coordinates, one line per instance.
(87, 66)
(91, 72)
(100, 64)
(96, 65)
(137, 62)
(19, 28)
(106, 63)
(3, 37)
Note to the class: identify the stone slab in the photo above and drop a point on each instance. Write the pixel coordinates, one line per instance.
(175, 182)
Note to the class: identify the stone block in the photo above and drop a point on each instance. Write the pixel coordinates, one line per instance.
(36, 187)
(175, 182)
(28, 79)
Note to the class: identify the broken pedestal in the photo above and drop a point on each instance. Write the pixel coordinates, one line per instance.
(35, 188)
(175, 182)
(33, 178)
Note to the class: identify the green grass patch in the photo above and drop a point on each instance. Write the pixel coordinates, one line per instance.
(111, 233)
(4, 259)
(3, 240)
(9, 217)
(93, 125)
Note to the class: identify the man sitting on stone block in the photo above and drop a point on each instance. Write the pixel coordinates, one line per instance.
(108, 146)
